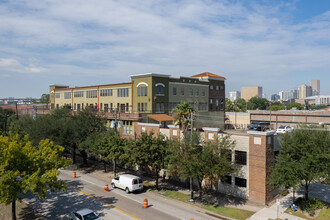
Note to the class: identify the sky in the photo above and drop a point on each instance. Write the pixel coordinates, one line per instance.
(278, 45)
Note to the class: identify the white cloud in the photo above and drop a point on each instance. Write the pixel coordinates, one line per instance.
(13, 65)
(101, 38)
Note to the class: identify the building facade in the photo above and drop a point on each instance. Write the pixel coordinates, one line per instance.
(234, 95)
(315, 84)
(253, 158)
(304, 91)
(249, 92)
(149, 94)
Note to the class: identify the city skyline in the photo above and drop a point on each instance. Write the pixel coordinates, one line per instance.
(278, 45)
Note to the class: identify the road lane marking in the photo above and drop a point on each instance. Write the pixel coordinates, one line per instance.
(104, 203)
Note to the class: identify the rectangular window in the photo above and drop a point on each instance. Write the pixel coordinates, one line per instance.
(240, 157)
(57, 95)
(182, 91)
(78, 107)
(196, 92)
(191, 92)
(139, 107)
(203, 92)
(145, 91)
(78, 94)
(74, 106)
(106, 92)
(106, 107)
(217, 88)
(138, 91)
(91, 94)
(67, 95)
(51, 95)
(157, 107)
(127, 127)
(145, 107)
(126, 107)
(82, 106)
(111, 106)
(240, 182)
(174, 90)
(211, 87)
(162, 109)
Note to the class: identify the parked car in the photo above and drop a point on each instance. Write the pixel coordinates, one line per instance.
(259, 126)
(283, 129)
(84, 214)
(127, 182)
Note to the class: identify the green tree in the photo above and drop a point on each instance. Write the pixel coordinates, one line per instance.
(181, 114)
(201, 161)
(4, 116)
(27, 168)
(44, 98)
(296, 105)
(257, 103)
(276, 106)
(304, 157)
(151, 151)
(110, 146)
(241, 104)
(85, 123)
(230, 106)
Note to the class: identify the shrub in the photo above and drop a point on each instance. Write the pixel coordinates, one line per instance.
(309, 205)
(285, 192)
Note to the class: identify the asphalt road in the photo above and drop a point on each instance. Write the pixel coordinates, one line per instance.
(87, 191)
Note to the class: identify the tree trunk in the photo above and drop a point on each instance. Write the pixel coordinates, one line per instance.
(13, 210)
(74, 154)
(114, 167)
(200, 189)
(306, 190)
(105, 166)
(84, 156)
(157, 178)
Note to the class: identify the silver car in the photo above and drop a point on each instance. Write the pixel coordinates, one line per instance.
(84, 214)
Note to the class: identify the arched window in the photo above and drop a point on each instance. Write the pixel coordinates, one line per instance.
(160, 89)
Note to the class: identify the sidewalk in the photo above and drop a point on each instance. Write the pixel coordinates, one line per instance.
(316, 190)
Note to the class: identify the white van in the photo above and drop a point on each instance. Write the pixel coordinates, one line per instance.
(128, 182)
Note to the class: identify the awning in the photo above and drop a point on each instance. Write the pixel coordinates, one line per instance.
(160, 117)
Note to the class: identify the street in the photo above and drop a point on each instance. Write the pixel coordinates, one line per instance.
(87, 191)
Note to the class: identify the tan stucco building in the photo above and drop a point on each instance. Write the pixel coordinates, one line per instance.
(249, 92)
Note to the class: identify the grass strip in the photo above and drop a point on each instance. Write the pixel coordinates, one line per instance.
(235, 213)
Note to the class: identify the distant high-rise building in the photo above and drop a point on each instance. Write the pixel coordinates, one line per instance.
(304, 91)
(274, 97)
(315, 84)
(248, 92)
(281, 94)
(234, 95)
(291, 94)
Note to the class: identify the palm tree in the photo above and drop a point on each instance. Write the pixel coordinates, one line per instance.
(181, 114)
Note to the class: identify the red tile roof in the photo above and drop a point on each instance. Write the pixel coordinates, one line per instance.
(160, 117)
(207, 74)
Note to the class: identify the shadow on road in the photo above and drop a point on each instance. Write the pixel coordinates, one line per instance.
(59, 204)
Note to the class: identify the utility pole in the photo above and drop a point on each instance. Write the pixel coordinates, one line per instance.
(116, 120)
(191, 141)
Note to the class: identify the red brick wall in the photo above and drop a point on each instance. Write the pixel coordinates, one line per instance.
(261, 160)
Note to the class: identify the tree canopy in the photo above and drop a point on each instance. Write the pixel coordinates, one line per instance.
(304, 157)
(27, 168)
